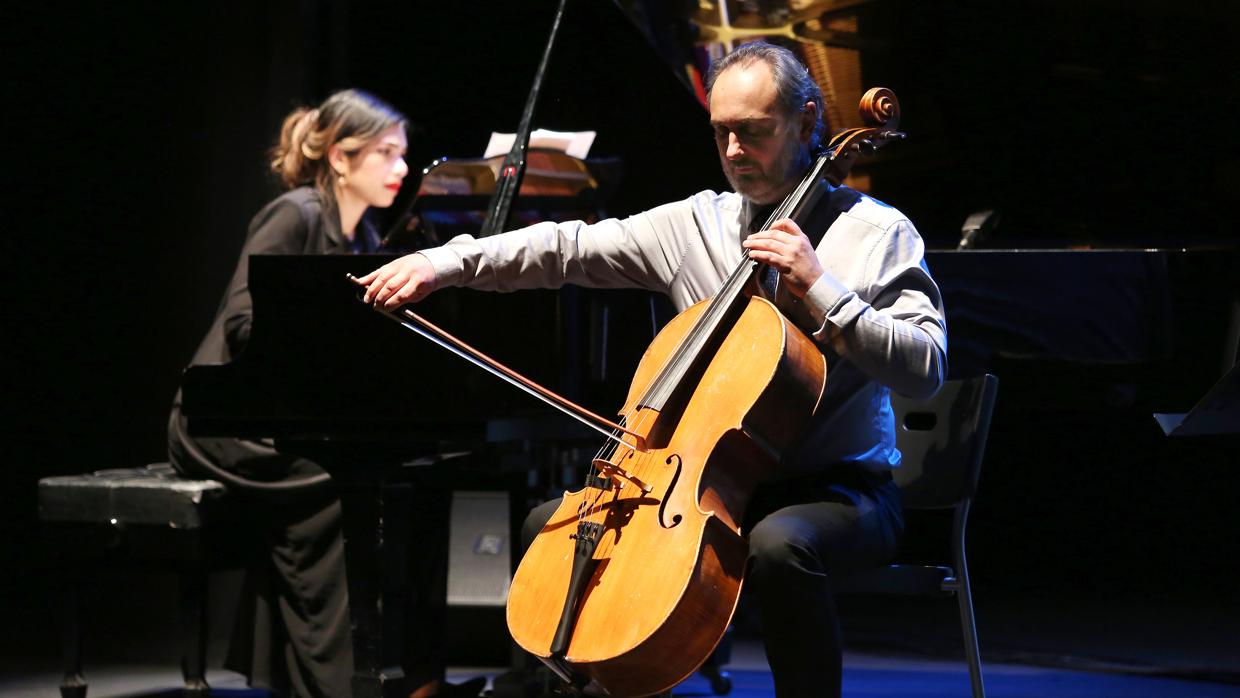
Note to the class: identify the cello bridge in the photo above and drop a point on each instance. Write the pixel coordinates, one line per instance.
(619, 475)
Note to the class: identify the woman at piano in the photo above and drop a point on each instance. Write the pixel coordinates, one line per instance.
(292, 633)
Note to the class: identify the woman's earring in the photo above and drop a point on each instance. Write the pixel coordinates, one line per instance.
(341, 181)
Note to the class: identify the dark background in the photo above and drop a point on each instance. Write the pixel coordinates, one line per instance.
(134, 142)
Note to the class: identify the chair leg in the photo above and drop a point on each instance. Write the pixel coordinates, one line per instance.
(964, 598)
(194, 632)
(73, 685)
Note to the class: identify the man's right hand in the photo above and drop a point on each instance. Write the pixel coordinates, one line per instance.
(406, 280)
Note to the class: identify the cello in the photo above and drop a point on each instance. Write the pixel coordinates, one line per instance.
(632, 582)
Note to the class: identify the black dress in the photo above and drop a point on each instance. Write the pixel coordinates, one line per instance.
(292, 633)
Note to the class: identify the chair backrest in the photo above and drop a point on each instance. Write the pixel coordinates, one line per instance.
(941, 442)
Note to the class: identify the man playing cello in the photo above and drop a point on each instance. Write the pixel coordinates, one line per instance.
(862, 294)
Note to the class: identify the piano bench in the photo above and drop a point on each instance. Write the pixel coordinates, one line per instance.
(147, 518)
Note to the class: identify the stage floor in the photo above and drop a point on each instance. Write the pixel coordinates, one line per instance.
(868, 675)
(1033, 646)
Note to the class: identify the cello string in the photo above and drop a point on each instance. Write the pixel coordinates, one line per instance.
(703, 328)
(708, 323)
(706, 326)
(674, 366)
(593, 474)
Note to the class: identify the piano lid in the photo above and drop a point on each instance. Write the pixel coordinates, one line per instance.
(467, 72)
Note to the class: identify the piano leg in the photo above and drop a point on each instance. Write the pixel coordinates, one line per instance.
(376, 535)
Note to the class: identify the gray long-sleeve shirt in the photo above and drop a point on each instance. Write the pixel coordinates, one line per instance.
(875, 311)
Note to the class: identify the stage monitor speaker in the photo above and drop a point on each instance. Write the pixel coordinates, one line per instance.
(479, 574)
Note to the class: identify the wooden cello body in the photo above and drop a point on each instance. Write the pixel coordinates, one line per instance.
(666, 572)
(633, 581)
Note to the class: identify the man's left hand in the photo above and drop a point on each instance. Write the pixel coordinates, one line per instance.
(787, 249)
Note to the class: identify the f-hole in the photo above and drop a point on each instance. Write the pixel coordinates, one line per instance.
(668, 494)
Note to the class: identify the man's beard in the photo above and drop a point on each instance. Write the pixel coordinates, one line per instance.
(769, 186)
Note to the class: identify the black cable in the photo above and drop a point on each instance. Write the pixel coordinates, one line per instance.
(297, 485)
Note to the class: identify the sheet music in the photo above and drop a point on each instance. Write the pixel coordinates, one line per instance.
(572, 143)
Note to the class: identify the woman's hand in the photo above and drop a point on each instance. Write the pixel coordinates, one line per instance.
(406, 280)
(789, 251)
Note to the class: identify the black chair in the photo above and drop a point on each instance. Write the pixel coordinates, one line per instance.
(142, 518)
(942, 441)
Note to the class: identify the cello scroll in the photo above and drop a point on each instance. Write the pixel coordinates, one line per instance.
(880, 111)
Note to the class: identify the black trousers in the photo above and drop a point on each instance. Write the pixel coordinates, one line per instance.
(801, 532)
(292, 631)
